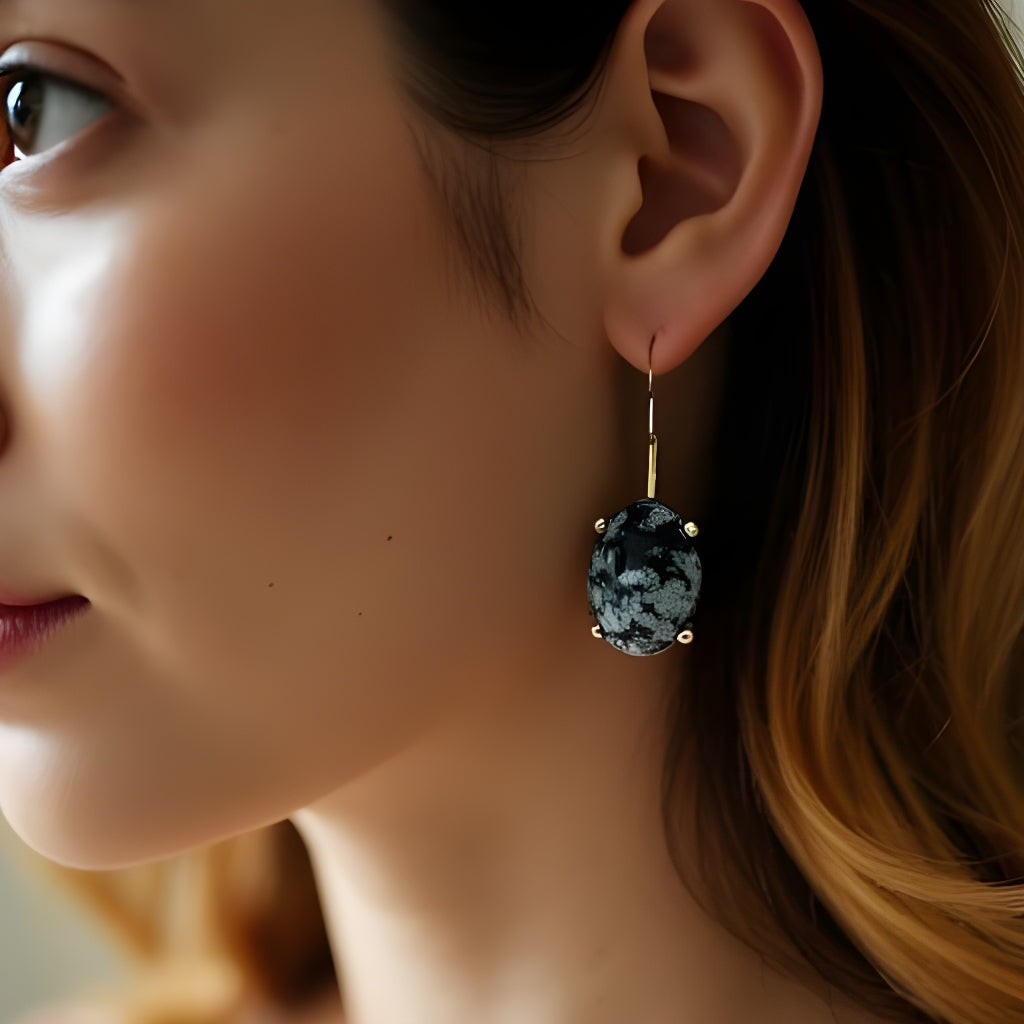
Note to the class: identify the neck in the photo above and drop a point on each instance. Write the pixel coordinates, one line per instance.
(513, 867)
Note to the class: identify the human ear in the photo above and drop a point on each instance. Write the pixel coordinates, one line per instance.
(714, 105)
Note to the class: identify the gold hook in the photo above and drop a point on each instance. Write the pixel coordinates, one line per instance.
(652, 439)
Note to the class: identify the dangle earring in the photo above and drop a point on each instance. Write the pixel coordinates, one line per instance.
(645, 576)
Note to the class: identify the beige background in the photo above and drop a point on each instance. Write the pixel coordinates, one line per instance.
(49, 949)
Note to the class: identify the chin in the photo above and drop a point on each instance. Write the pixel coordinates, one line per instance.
(90, 837)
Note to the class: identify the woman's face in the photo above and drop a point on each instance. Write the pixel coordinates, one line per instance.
(254, 418)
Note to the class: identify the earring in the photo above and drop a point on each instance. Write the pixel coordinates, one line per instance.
(645, 576)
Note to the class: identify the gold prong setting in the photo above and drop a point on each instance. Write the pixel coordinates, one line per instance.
(644, 579)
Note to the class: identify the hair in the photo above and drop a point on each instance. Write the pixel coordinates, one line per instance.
(855, 729)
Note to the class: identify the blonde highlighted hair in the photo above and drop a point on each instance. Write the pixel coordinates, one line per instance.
(857, 728)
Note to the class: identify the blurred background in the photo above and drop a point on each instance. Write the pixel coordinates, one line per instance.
(50, 949)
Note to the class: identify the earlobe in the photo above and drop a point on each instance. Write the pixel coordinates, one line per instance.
(720, 126)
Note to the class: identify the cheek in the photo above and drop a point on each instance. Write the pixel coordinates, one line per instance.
(248, 328)
(292, 492)
(239, 349)
(233, 432)
(294, 466)
(250, 412)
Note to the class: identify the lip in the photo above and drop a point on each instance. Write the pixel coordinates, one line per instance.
(24, 629)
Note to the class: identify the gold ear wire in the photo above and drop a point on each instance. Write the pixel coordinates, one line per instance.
(652, 442)
(645, 576)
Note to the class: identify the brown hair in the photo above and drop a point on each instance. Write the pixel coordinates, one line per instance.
(859, 735)
(862, 761)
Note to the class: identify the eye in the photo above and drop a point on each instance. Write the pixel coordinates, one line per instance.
(41, 110)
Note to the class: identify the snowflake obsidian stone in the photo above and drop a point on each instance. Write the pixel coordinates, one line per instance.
(644, 578)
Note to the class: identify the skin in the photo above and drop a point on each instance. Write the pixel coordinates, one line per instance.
(333, 512)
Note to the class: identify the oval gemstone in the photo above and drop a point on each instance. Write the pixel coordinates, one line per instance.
(644, 578)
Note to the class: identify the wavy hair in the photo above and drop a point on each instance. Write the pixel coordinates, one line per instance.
(856, 730)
